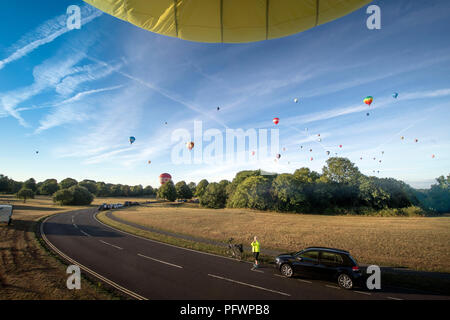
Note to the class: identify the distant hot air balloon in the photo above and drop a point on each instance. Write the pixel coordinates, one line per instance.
(190, 145)
(310, 150)
(284, 149)
(360, 158)
(318, 135)
(395, 95)
(312, 158)
(164, 178)
(367, 114)
(433, 156)
(37, 152)
(296, 100)
(328, 153)
(382, 152)
(416, 140)
(379, 161)
(253, 153)
(276, 120)
(132, 140)
(149, 161)
(340, 146)
(301, 147)
(402, 137)
(319, 140)
(218, 108)
(368, 100)
(278, 156)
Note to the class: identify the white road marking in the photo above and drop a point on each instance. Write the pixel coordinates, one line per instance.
(279, 275)
(98, 276)
(85, 233)
(361, 292)
(257, 271)
(392, 298)
(160, 261)
(334, 287)
(306, 281)
(75, 225)
(109, 244)
(249, 285)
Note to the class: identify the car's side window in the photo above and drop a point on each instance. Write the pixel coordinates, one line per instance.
(312, 256)
(331, 258)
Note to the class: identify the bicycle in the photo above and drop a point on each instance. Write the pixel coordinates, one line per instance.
(235, 250)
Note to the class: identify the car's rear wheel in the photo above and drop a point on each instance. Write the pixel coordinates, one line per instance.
(286, 270)
(344, 281)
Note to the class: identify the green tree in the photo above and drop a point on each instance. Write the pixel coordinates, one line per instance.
(48, 187)
(372, 195)
(253, 192)
(215, 196)
(90, 185)
(201, 187)
(340, 170)
(137, 191)
(288, 193)
(67, 183)
(81, 195)
(30, 184)
(305, 175)
(183, 191)
(149, 191)
(14, 186)
(25, 194)
(192, 186)
(103, 190)
(63, 197)
(4, 183)
(167, 191)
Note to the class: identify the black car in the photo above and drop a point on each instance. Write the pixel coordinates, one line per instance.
(324, 263)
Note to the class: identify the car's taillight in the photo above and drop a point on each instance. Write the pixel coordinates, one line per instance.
(355, 268)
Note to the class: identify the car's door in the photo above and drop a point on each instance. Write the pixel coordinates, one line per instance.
(306, 262)
(329, 262)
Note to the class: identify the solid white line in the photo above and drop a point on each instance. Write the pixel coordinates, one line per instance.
(106, 280)
(334, 287)
(361, 292)
(170, 264)
(111, 245)
(392, 298)
(249, 285)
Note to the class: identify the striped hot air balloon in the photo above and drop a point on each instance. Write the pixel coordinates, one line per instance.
(368, 100)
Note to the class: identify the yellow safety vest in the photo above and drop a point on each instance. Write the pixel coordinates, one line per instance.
(255, 246)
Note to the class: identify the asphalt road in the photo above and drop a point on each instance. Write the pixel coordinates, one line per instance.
(146, 269)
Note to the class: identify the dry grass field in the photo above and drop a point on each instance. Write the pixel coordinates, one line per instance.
(420, 243)
(27, 271)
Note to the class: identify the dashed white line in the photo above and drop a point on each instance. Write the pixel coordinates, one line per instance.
(109, 244)
(75, 225)
(334, 287)
(249, 285)
(306, 281)
(392, 298)
(279, 275)
(86, 234)
(256, 270)
(160, 261)
(361, 292)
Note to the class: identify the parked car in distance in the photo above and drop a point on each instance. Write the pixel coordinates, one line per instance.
(324, 263)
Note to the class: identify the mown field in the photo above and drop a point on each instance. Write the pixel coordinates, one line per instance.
(27, 271)
(419, 243)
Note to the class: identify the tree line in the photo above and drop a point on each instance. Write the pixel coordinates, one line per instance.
(341, 188)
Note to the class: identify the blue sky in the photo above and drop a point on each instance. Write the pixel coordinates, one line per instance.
(77, 96)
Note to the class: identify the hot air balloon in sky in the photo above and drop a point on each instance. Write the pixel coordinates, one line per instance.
(340, 146)
(328, 153)
(218, 108)
(296, 100)
(433, 156)
(402, 137)
(367, 114)
(164, 178)
(368, 100)
(253, 153)
(149, 161)
(190, 145)
(219, 21)
(395, 95)
(276, 120)
(416, 140)
(132, 140)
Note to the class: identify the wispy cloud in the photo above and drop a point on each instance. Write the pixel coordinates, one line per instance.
(47, 33)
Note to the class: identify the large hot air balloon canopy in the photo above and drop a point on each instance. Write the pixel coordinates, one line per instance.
(230, 21)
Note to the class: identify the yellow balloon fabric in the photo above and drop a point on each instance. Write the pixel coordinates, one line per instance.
(227, 21)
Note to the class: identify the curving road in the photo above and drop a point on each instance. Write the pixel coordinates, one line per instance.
(147, 269)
